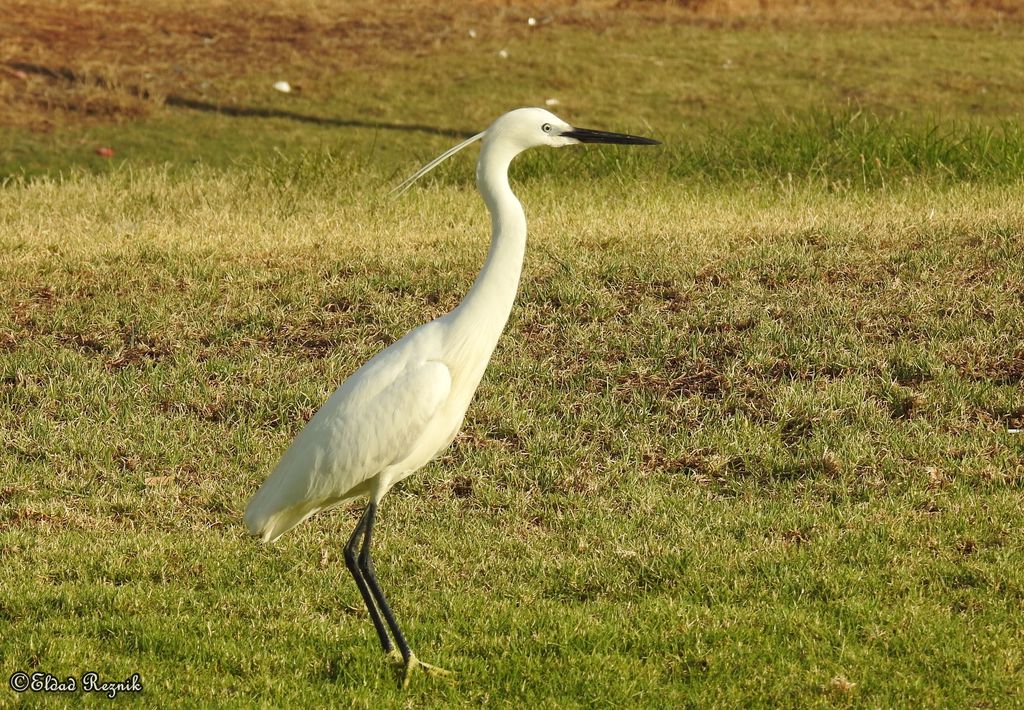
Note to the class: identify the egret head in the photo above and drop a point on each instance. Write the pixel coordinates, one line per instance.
(531, 127)
(525, 128)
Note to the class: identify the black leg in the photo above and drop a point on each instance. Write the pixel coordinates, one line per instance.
(366, 567)
(350, 562)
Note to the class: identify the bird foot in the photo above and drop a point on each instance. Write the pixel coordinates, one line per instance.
(408, 667)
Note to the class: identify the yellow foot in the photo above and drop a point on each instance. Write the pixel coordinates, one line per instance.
(414, 664)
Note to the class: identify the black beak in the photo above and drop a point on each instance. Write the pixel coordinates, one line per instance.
(585, 135)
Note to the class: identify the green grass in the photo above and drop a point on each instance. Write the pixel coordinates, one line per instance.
(724, 100)
(744, 443)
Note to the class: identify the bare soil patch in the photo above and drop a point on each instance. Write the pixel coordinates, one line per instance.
(67, 62)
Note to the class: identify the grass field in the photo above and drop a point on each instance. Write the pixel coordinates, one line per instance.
(748, 439)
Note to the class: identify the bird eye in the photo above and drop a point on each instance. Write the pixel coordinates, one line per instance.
(546, 128)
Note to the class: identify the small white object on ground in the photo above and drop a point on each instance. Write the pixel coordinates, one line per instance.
(532, 22)
(503, 54)
(551, 102)
(472, 33)
(283, 86)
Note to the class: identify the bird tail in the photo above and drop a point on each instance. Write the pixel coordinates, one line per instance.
(269, 525)
(299, 486)
(277, 507)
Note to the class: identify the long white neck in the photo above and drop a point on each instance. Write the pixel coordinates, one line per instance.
(487, 305)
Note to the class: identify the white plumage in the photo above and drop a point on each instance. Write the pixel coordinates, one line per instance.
(406, 404)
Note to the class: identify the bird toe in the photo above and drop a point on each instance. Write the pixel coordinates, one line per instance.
(414, 664)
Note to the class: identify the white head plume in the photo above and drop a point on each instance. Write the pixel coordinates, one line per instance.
(408, 182)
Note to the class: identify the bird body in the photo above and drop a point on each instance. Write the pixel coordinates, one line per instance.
(406, 404)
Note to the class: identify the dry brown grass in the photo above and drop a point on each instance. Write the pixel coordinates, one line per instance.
(63, 62)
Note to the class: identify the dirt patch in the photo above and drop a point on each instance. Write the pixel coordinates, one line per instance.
(998, 366)
(119, 59)
(69, 62)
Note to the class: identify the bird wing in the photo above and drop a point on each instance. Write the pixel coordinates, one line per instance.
(362, 429)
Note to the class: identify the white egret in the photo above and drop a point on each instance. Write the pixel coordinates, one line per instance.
(406, 404)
